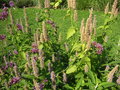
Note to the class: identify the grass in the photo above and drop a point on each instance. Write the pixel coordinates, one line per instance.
(63, 23)
(56, 15)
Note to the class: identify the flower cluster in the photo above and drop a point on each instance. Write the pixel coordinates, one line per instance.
(35, 58)
(118, 80)
(52, 23)
(4, 13)
(11, 3)
(15, 52)
(41, 85)
(34, 45)
(2, 37)
(34, 48)
(98, 46)
(14, 80)
(5, 9)
(9, 64)
(19, 27)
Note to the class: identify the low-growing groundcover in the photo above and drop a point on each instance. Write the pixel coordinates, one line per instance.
(53, 49)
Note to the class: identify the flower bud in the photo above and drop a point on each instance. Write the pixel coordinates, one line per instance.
(118, 80)
(53, 76)
(35, 68)
(53, 57)
(64, 77)
(49, 67)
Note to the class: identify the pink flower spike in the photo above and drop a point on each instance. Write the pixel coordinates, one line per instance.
(94, 43)
(98, 45)
(19, 27)
(15, 52)
(99, 52)
(11, 3)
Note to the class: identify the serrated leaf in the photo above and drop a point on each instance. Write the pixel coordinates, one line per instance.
(70, 32)
(71, 69)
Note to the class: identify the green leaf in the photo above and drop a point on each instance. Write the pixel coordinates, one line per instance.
(71, 69)
(100, 88)
(107, 21)
(76, 46)
(114, 62)
(100, 27)
(83, 47)
(106, 84)
(91, 76)
(68, 87)
(80, 82)
(23, 55)
(107, 27)
(52, 3)
(70, 32)
(91, 85)
(28, 76)
(23, 82)
(79, 75)
(87, 59)
(20, 88)
(40, 46)
(59, 81)
(57, 4)
(72, 60)
(60, 1)
(81, 55)
(68, 11)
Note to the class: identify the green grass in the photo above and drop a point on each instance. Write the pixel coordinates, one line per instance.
(63, 24)
(57, 16)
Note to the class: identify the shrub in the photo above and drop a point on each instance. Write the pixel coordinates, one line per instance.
(26, 3)
(3, 1)
(96, 4)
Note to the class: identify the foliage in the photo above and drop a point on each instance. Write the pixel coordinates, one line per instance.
(2, 2)
(85, 69)
(26, 3)
(96, 4)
